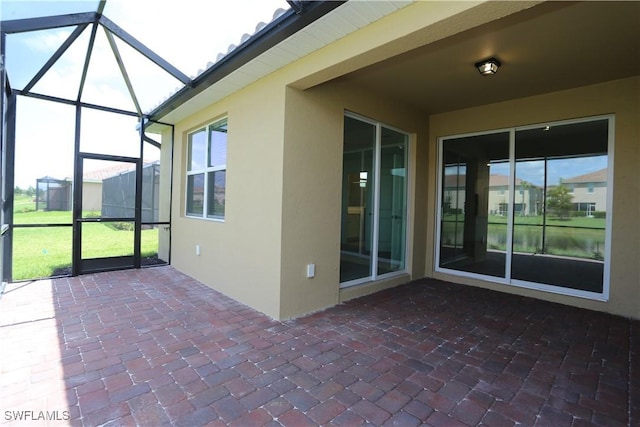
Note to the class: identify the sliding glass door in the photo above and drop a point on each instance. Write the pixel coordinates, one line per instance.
(358, 182)
(470, 165)
(528, 206)
(560, 237)
(374, 201)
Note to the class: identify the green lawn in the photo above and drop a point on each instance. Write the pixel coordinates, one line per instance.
(581, 221)
(46, 251)
(41, 217)
(579, 237)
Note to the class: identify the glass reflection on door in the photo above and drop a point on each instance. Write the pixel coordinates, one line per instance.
(374, 201)
(475, 204)
(392, 218)
(561, 181)
(357, 199)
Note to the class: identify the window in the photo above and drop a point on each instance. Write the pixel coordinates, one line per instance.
(207, 171)
(374, 201)
(539, 234)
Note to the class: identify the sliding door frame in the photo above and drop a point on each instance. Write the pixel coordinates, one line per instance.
(507, 279)
(375, 221)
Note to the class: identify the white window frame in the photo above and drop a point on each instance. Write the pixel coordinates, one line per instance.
(204, 171)
(374, 276)
(507, 280)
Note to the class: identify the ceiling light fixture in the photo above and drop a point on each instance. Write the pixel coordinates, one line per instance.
(488, 66)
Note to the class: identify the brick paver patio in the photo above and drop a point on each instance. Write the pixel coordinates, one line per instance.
(154, 347)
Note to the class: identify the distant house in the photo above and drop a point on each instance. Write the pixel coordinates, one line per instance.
(528, 198)
(589, 191)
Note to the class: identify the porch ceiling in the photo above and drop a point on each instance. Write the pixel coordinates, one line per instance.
(549, 47)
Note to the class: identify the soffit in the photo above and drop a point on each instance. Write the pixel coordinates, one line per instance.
(549, 47)
(338, 23)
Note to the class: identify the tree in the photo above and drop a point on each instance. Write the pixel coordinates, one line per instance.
(559, 200)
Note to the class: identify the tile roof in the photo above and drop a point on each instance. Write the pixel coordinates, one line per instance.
(287, 38)
(597, 176)
(117, 169)
(222, 55)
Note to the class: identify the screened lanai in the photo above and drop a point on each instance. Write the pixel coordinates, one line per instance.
(79, 86)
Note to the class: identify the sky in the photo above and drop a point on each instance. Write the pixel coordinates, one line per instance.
(557, 169)
(186, 33)
(533, 171)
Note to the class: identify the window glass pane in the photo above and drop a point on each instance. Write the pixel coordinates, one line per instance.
(216, 194)
(392, 218)
(475, 200)
(357, 199)
(560, 240)
(452, 224)
(197, 150)
(528, 207)
(195, 194)
(218, 144)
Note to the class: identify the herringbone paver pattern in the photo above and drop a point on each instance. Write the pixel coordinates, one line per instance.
(154, 347)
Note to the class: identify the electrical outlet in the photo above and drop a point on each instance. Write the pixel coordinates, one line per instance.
(311, 270)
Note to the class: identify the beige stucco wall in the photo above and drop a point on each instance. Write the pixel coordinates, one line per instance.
(285, 167)
(284, 189)
(240, 256)
(581, 194)
(312, 191)
(164, 204)
(620, 97)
